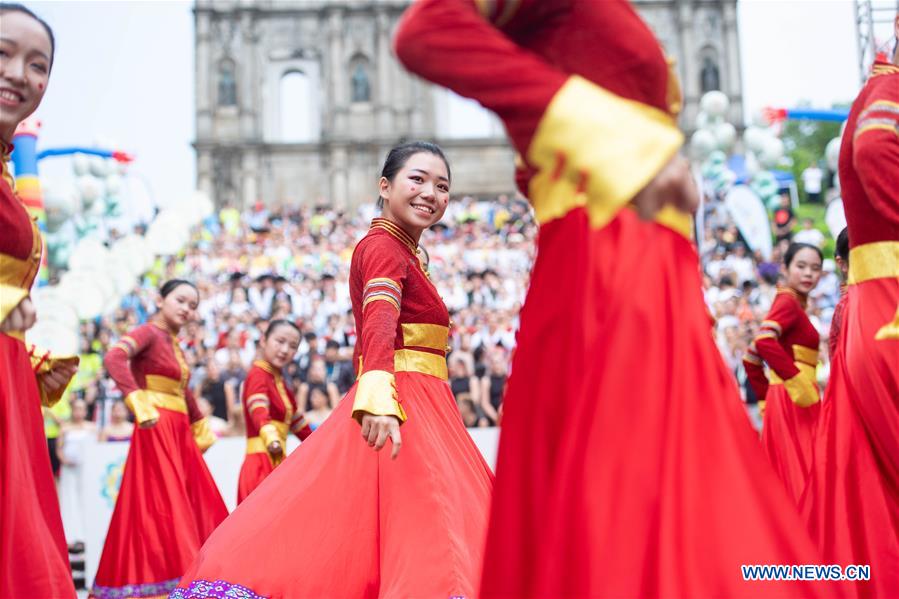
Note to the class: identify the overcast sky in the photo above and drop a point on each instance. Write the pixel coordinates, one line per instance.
(124, 75)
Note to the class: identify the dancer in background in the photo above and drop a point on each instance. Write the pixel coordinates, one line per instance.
(269, 407)
(652, 485)
(34, 561)
(852, 501)
(407, 523)
(168, 503)
(788, 342)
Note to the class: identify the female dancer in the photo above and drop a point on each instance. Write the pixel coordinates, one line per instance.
(406, 525)
(627, 496)
(34, 560)
(788, 342)
(168, 503)
(852, 501)
(269, 407)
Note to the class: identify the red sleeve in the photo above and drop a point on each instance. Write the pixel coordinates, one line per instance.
(118, 358)
(298, 424)
(875, 149)
(384, 267)
(448, 43)
(767, 343)
(755, 372)
(256, 400)
(835, 324)
(193, 410)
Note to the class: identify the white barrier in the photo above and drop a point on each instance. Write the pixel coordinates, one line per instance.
(104, 463)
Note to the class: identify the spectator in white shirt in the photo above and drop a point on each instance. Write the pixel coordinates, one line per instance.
(809, 234)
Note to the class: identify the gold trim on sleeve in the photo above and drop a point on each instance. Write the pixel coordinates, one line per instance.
(376, 394)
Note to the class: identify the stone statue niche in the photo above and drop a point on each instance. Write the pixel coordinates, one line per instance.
(227, 84)
(710, 79)
(359, 84)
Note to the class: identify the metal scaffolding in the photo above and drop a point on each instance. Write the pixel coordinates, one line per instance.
(870, 16)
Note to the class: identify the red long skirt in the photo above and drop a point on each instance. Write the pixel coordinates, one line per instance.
(627, 465)
(168, 505)
(788, 433)
(256, 466)
(339, 520)
(34, 561)
(852, 500)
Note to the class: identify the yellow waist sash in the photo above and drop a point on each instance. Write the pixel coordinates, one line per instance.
(410, 360)
(166, 393)
(806, 362)
(879, 260)
(257, 445)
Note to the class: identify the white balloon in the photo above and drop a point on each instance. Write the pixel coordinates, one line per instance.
(85, 292)
(51, 304)
(702, 120)
(113, 184)
(772, 153)
(60, 205)
(98, 166)
(90, 188)
(55, 337)
(754, 138)
(714, 103)
(702, 143)
(88, 253)
(726, 136)
(80, 164)
(832, 152)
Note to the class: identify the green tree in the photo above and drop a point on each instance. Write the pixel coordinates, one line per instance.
(805, 142)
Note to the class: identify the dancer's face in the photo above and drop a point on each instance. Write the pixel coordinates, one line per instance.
(178, 307)
(804, 271)
(24, 69)
(281, 346)
(417, 196)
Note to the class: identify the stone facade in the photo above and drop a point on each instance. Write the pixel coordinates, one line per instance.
(298, 101)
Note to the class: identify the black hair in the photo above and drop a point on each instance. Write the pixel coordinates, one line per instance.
(170, 286)
(16, 7)
(332, 344)
(842, 249)
(399, 155)
(278, 323)
(795, 249)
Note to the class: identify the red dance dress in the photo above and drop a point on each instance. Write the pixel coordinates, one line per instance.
(788, 342)
(339, 520)
(651, 485)
(270, 412)
(852, 500)
(168, 502)
(34, 561)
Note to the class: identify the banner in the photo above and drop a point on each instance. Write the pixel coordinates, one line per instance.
(751, 218)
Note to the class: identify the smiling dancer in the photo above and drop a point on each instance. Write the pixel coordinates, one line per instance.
(270, 408)
(33, 557)
(788, 342)
(168, 503)
(410, 523)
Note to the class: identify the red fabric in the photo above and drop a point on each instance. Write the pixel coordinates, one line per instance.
(788, 433)
(149, 349)
(382, 255)
(261, 380)
(371, 527)
(34, 561)
(15, 221)
(868, 166)
(836, 323)
(168, 502)
(852, 499)
(652, 483)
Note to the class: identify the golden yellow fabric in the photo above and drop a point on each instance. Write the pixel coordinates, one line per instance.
(203, 435)
(409, 360)
(384, 297)
(806, 355)
(376, 394)
(433, 336)
(802, 388)
(598, 150)
(141, 405)
(163, 384)
(677, 221)
(47, 364)
(10, 297)
(879, 260)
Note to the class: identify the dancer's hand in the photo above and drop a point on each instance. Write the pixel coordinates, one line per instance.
(376, 430)
(55, 380)
(674, 185)
(20, 319)
(275, 449)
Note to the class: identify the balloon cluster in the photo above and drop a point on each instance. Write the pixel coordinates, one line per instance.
(99, 273)
(715, 139)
